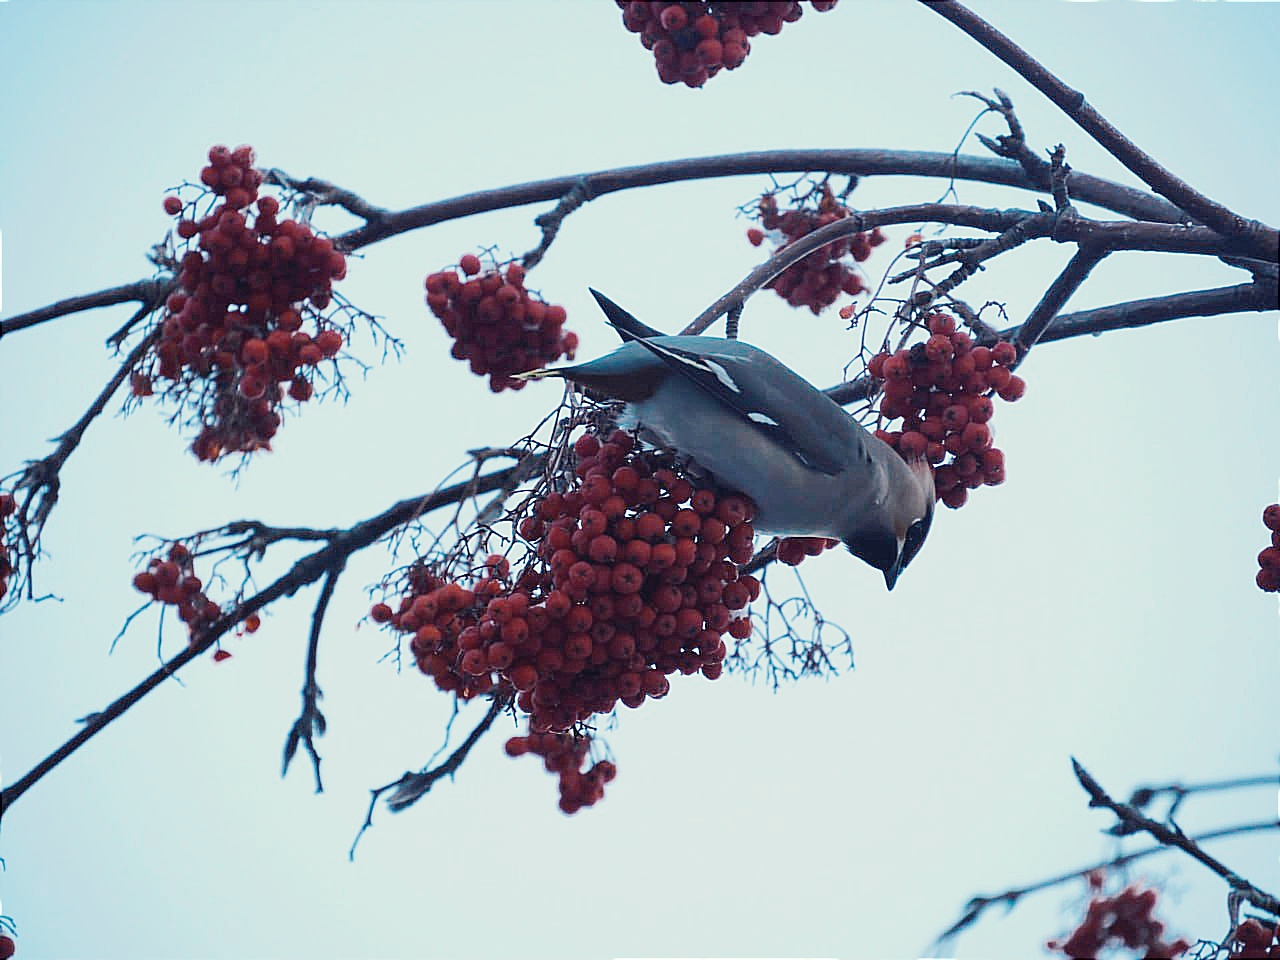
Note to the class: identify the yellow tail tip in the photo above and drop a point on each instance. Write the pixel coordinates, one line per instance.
(538, 374)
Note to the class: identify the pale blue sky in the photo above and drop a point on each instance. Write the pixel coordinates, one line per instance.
(1100, 604)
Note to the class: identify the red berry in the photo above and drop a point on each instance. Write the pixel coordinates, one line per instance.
(1014, 389)
(1004, 353)
(673, 18)
(1271, 517)
(941, 323)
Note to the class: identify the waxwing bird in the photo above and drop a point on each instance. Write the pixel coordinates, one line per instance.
(762, 429)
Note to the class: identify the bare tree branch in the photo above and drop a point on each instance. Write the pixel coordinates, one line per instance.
(324, 193)
(1172, 836)
(978, 905)
(146, 292)
(1140, 313)
(1059, 292)
(39, 482)
(1014, 226)
(862, 163)
(305, 571)
(381, 224)
(1262, 241)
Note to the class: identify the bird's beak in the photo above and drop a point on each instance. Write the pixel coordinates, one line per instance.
(891, 575)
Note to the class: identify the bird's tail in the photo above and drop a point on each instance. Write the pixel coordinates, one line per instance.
(628, 327)
(540, 374)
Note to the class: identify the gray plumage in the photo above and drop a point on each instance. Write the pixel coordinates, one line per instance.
(764, 430)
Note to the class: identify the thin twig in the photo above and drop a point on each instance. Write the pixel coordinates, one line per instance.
(1013, 146)
(550, 221)
(311, 723)
(414, 785)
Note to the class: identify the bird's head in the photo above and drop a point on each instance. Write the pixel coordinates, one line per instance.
(892, 548)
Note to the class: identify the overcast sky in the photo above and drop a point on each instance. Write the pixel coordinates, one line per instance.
(1099, 605)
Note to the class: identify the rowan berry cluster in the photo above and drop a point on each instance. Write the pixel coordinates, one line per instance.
(564, 754)
(1256, 941)
(1124, 919)
(496, 324)
(940, 389)
(7, 507)
(817, 280)
(1269, 558)
(172, 581)
(443, 617)
(635, 577)
(232, 340)
(691, 42)
(644, 579)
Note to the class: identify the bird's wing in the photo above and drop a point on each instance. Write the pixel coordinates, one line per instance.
(769, 396)
(825, 439)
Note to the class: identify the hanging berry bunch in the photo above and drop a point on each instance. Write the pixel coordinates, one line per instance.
(1125, 919)
(442, 618)
(1269, 558)
(173, 582)
(564, 754)
(496, 324)
(1253, 938)
(244, 326)
(941, 389)
(817, 280)
(634, 577)
(7, 508)
(691, 42)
